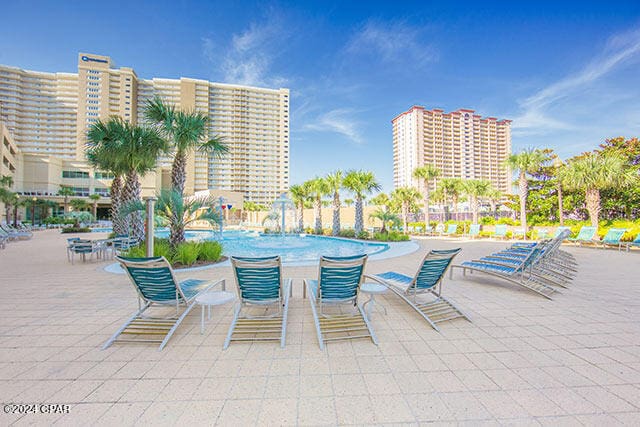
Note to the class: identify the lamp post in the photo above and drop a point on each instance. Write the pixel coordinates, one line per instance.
(33, 211)
(150, 224)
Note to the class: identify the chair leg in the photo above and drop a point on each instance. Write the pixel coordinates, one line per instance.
(312, 300)
(366, 321)
(123, 327)
(236, 314)
(175, 326)
(285, 312)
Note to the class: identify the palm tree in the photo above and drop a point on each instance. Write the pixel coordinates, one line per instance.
(493, 196)
(318, 188)
(335, 181)
(525, 162)
(300, 194)
(348, 202)
(66, 192)
(406, 197)
(428, 173)
(94, 201)
(135, 150)
(594, 172)
(382, 199)
(186, 131)
(179, 212)
(451, 189)
(558, 165)
(79, 204)
(386, 217)
(475, 189)
(360, 183)
(6, 195)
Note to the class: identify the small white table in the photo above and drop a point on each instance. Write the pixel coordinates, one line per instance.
(210, 299)
(372, 289)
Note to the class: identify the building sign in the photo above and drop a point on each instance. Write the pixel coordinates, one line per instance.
(89, 59)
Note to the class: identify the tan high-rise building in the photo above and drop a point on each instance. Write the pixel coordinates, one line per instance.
(48, 115)
(459, 144)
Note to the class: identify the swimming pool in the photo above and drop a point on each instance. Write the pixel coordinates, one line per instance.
(292, 248)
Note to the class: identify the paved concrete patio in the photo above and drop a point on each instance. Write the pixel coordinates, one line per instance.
(523, 360)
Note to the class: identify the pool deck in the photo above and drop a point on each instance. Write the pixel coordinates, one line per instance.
(522, 360)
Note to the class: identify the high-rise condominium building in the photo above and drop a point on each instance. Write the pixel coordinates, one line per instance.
(48, 115)
(459, 144)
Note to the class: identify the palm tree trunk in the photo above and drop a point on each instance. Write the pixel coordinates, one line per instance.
(66, 205)
(95, 211)
(592, 199)
(116, 200)
(318, 211)
(15, 215)
(176, 235)
(179, 172)
(301, 217)
(405, 214)
(359, 225)
(131, 193)
(335, 229)
(427, 220)
(455, 208)
(523, 189)
(560, 210)
(474, 207)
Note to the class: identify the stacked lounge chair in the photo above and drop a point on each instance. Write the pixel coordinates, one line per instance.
(585, 235)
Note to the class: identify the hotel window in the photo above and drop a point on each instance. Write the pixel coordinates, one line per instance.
(75, 174)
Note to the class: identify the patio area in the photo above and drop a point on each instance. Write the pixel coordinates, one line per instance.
(523, 359)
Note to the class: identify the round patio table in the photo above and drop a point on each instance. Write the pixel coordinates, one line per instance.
(372, 289)
(211, 298)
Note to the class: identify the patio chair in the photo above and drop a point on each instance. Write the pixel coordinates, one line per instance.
(519, 272)
(338, 284)
(156, 286)
(82, 248)
(613, 238)
(635, 243)
(260, 287)
(560, 230)
(500, 231)
(427, 280)
(586, 235)
(439, 229)
(474, 231)
(452, 230)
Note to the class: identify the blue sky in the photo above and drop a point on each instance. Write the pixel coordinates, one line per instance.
(567, 74)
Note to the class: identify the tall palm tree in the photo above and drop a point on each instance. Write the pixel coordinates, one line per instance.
(135, 151)
(428, 173)
(451, 190)
(187, 131)
(335, 182)
(381, 199)
(386, 217)
(94, 204)
(406, 197)
(475, 189)
(300, 194)
(79, 204)
(66, 192)
(318, 188)
(594, 172)
(360, 183)
(525, 162)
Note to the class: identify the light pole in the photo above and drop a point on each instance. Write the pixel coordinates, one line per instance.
(150, 224)
(33, 211)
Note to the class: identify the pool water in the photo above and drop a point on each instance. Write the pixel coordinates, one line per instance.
(291, 248)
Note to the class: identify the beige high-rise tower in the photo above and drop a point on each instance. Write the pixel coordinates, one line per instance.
(459, 144)
(48, 115)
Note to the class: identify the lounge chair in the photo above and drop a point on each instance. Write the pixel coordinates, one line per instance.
(452, 230)
(518, 272)
(428, 229)
(635, 243)
(519, 233)
(14, 234)
(157, 286)
(613, 238)
(260, 286)
(474, 231)
(500, 231)
(439, 229)
(560, 230)
(338, 284)
(427, 280)
(586, 235)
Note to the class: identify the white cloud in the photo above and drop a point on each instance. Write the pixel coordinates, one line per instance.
(393, 42)
(339, 121)
(559, 98)
(248, 58)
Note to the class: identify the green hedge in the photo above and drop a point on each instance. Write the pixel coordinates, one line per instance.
(76, 230)
(187, 253)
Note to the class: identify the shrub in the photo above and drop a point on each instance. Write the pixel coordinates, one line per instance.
(139, 251)
(76, 230)
(348, 233)
(508, 221)
(209, 250)
(327, 232)
(161, 247)
(487, 220)
(364, 235)
(392, 236)
(186, 253)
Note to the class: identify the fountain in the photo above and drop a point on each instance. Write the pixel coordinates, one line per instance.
(281, 204)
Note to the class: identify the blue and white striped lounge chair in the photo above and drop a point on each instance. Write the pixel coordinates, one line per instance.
(635, 243)
(519, 272)
(427, 280)
(452, 230)
(338, 285)
(474, 231)
(261, 287)
(613, 238)
(500, 232)
(157, 287)
(585, 235)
